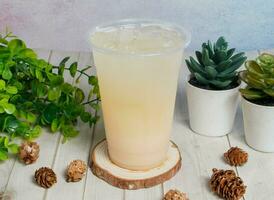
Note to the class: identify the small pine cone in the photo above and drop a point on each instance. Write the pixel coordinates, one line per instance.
(45, 177)
(76, 171)
(236, 156)
(175, 195)
(227, 184)
(5, 196)
(29, 152)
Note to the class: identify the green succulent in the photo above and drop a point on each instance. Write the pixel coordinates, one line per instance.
(259, 77)
(216, 65)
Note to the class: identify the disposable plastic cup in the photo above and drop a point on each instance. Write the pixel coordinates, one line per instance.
(137, 63)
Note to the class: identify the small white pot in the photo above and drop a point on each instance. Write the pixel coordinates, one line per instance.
(258, 126)
(212, 112)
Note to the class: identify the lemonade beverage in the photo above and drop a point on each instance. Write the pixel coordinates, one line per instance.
(137, 65)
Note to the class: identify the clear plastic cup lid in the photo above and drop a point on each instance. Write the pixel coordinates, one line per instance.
(139, 37)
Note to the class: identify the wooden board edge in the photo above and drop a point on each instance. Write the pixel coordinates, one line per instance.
(131, 184)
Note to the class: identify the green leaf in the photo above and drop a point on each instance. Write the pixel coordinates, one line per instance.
(55, 80)
(2, 85)
(39, 75)
(11, 89)
(237, 56)
(73, 69)
(50, 113)
(79, 95)
(85, 116)
(211, 71)
(220, 84)
(16, 45)
(61, 70)
(9, 108)
(63, 62)
(2, 110)
(197, 67)
(41, 90)
(1, 67)
(199, 57)
(54, 125)
(221, 43)
(223, 65)
(210, 49)
(205, 57)
(269, 92)
(62, 66)
(220, 56)
(67, 88)
(54, 93)
(11, 124)
(230, 53)
(27, 53)
(234, 66)
(96, 90)
(3, 155)
(13, 148)
(7, 75)
(252, 94)
(69, 131)
(35, 132)
(92, 80)
(201, 79)
(31, 117)
(6, 142)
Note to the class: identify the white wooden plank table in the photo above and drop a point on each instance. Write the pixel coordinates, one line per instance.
(200, 154)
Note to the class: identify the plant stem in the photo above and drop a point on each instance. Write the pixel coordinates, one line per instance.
(66, 68)
(97, 99)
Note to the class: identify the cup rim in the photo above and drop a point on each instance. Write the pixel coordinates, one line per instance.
(182, 31)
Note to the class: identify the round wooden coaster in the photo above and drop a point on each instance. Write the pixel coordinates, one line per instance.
(103, 168)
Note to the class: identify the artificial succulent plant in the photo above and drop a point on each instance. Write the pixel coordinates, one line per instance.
(216, 66)
(259, 77)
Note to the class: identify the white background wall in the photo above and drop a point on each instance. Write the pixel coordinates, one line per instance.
(65, 24)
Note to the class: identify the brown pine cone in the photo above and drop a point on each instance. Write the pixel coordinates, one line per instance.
(236, 156)
(4, 196)
(29, 152)
(76, 171)
(227, 184)
(175, 195)
(45, 177)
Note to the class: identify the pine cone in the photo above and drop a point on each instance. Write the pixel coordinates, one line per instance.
(236, 156)
(45, 177)
(4, 196)
(29, 152)
(175, 195)
(227, 184)
(76, 171)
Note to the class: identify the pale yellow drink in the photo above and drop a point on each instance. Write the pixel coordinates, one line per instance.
(137, 65)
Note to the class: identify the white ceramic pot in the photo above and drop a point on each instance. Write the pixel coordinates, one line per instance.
(258, 126)
(212, 112)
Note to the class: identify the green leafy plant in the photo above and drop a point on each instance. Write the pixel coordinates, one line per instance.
(6, 147)
(259, 77)
(216, 66)
(33, 94)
